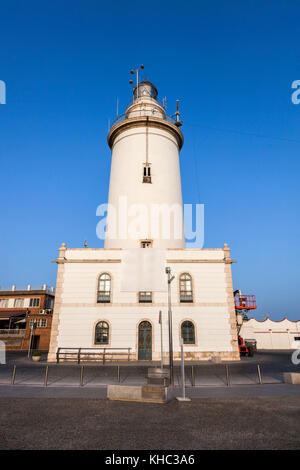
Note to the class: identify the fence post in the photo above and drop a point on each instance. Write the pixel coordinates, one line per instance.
(193, 377)
(13, 375)
(103, 356)
(227, 375)
(259, 374)
(81, 376)
(118, 373)
(57, 355)
(128, 354)
(78, 358)
(46, 377)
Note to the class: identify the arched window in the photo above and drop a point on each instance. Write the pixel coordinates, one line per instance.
(188, 332)
(185, 286)
(104, 288)
(102, 333)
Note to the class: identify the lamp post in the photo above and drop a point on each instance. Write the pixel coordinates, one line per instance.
(141, 67)
(32, 329)
(170, 279)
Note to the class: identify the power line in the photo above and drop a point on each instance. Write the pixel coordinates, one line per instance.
(232, 131)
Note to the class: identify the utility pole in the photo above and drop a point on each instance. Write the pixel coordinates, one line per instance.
(171, 368)
(161, 342)
(32, 329)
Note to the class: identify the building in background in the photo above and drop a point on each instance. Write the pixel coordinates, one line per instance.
(20, 310)
(270, 334)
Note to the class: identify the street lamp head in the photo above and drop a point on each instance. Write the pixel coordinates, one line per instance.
(142, 67)
(130, 82)
(168, 270)
(132, 72)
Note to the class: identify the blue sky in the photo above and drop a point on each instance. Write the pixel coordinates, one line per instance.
(231, 64)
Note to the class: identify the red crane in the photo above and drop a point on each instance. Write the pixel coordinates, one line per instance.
(243, 304)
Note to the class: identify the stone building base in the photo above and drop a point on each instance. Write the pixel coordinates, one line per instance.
(188, 356)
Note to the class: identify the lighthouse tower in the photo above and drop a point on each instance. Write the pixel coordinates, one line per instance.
(93, 311)
(145, 175)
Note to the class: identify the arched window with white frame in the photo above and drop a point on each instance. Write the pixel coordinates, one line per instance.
(102, 333)
(104, 288)
(185, 288)
(188, 332)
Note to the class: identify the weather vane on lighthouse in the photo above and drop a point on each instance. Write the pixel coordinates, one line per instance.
(132, 71)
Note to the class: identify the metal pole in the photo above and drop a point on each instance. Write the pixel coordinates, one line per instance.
(118, 373)
(137, 83)
(182, 370)
(81, 376)
(259, 374)
(161, 342)
(171, 338)
(29, 347)
(183, 397)
(171, 365)
(46, 376)
(13, 375)
(227, 375)
(193, 377)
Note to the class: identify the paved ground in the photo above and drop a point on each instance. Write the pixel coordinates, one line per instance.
(252, 423)
(235, 391)
(273, 365)
(66, 416)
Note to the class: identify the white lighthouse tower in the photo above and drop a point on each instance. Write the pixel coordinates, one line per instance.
(93, 311)
(145, 175)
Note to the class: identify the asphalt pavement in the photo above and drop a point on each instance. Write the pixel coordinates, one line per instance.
(206, 423)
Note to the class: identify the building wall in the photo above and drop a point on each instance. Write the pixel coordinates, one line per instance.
(44, 333)
(76, 309)
(272, 334)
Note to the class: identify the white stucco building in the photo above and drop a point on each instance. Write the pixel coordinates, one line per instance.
(92, 310)
(270, 334)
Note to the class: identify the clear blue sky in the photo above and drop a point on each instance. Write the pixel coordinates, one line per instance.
(230, 63)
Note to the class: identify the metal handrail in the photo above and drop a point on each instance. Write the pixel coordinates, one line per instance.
(78, 353)
(11, 331)
(141, 113)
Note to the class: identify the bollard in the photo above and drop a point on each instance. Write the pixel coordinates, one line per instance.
(259, 374)
(193, 377)
(118, 373)
(13, 375)
(227, 375)
(81, 376)
(46, 376)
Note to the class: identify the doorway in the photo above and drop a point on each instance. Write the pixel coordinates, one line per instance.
(35, 342)
(145, 341)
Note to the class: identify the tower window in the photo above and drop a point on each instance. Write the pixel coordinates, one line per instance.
(146, 174)
(145, 297)
(146, 243)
